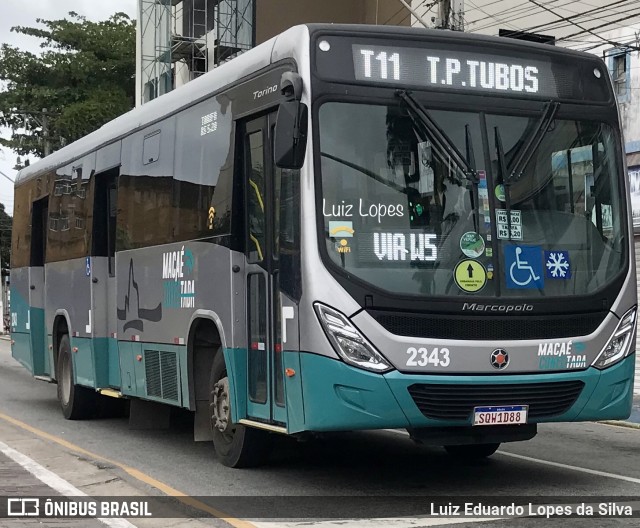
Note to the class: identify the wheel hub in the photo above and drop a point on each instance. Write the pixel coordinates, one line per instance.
(221, 416)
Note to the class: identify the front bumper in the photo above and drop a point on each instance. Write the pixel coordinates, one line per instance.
(340, 397)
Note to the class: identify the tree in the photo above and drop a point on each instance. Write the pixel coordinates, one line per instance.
(84, 77)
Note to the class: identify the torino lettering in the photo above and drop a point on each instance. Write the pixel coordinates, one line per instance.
(261, 93)
(393, 246)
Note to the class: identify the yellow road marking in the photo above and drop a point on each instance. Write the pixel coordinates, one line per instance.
(135, 473)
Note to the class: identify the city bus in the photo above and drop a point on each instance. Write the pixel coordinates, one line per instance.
(344, 228)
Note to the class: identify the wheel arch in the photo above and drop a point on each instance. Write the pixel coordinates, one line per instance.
(205, 332)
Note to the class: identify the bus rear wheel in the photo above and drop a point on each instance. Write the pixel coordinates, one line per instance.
(237, 446)
(76, 402)
(472, 451)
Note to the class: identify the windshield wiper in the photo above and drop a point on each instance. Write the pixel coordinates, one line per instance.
(472, 175)
(526, 152)
(365, 171)
(524, 155)
(429, 130)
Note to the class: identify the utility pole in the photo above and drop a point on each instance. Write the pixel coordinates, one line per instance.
(45, 132)
(451, 15)
(42, 119)
(444, 13)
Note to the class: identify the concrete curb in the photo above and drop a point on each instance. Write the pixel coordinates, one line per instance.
(621, 423)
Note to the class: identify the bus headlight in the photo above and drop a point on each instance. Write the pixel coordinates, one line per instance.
(348, 341)
(619, 346)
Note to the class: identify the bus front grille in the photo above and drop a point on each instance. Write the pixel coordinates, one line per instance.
(456, 402)
(442, 326)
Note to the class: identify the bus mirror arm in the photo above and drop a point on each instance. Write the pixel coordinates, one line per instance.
(291, 86)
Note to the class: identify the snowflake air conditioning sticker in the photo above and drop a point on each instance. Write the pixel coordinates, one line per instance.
(557, 265)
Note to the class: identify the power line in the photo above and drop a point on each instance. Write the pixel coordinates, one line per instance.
(613, 43)
(524, 12)
(577, 15)
(513, 13)
(603, 25)
(494, 17)
(7, 177)
(393, 16)
(614, 23)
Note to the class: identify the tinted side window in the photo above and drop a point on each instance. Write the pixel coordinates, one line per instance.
(255, 197)
(145, 207)
(70, 208)
(145, 193)
(21, 238)
(203, 170)
(180, 189)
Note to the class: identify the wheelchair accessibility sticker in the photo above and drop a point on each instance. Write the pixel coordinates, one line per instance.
(523, 267)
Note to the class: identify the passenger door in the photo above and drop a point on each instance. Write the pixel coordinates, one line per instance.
(265, 369)
(101, 267)
(35, 324)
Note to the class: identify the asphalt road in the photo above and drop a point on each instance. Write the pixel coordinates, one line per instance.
(578, 460)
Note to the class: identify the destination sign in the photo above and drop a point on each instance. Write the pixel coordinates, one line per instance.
(453, 70)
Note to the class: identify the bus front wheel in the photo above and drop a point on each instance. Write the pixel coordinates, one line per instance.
(237, 446)
(472, 451)
(76, 402)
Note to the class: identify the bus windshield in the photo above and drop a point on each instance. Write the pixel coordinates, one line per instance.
(399, 213)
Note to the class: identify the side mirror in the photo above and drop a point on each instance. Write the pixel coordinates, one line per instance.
(291, 135)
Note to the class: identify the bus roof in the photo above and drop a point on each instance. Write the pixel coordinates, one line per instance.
(281, 46)
(261, 56)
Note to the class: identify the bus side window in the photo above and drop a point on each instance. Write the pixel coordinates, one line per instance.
(255, 197)
(257, 322)
(287, 230)
(40, 213)
(105, 207)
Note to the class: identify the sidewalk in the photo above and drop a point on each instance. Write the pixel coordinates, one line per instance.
(36, 467)
(15, 481)
(635, 412)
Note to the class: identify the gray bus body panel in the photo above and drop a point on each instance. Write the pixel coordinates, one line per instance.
(157, 302)
(68, 287)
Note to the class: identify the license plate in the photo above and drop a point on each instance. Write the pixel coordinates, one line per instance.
(513, 414)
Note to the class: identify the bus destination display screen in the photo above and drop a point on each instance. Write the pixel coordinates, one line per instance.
(454, 70)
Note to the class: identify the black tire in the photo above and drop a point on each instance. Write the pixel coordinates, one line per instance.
(472, 451)
(236, 446)
(76, 402)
